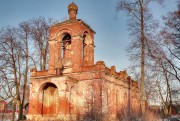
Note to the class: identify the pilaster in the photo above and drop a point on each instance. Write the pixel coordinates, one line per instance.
(52, 51)
(77, 56)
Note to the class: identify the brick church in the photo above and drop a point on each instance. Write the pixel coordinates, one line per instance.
(75, 87)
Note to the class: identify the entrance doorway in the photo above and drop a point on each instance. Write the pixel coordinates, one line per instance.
(49, 100)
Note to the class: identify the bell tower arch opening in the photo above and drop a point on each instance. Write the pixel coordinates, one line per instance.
(66, 46)
(49, 100)
(88, 50)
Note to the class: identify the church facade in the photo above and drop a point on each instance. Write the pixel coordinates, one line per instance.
(74, 87)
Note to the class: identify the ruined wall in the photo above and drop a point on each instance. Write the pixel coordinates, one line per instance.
(96, 92)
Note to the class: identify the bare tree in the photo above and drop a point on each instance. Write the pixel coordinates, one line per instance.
(10, 72)
(17, 54)
(139, 18)
(39, 30)
(23, 33)
(93, 101)
(171, 40)
(164, 55)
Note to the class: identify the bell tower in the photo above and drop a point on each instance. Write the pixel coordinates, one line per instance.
(71, 44)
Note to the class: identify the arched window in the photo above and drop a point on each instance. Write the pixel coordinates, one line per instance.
(66, 46)
(84, 45)
(125, 100)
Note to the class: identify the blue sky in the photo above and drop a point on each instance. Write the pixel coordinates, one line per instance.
(111, 37)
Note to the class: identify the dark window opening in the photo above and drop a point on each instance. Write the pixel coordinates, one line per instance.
(66, 46)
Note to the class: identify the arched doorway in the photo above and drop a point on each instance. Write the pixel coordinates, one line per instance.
(49, 100)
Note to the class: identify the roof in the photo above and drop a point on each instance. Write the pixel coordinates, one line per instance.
(73, 21)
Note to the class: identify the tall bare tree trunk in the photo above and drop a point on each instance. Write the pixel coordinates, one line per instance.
(169, 96)
(13, 111)
(21, 106)
(142, 58)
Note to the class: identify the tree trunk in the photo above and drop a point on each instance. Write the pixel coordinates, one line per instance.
(13, 111)
(142, 58)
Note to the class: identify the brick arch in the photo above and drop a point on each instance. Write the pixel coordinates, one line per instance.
(49, 99)
(43, 84)
(61, 33)
(65, 51)
(87, 37)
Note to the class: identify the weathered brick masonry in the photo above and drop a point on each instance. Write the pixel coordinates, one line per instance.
(74, 87)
